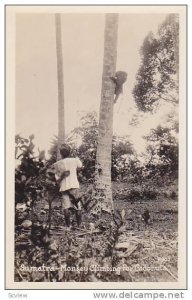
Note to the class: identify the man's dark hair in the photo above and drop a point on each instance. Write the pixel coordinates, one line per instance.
(65, 151)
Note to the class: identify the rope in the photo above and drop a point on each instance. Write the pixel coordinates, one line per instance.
(119, 107)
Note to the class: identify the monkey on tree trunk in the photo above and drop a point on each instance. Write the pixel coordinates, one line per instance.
(119, 79)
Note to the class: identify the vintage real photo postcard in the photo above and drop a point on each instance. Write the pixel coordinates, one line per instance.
(96, 147)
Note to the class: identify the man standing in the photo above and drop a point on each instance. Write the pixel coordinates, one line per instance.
(65, 171)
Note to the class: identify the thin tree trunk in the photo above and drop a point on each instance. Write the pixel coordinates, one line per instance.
(61, 121)
(104, 147)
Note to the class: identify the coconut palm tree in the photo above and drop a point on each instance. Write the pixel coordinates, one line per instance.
(104, 147)
(61, 123)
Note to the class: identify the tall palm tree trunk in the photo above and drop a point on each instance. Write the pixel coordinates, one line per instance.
(61, 121)
(104, 147)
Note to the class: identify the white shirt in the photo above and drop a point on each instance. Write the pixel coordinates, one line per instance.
(71, 165)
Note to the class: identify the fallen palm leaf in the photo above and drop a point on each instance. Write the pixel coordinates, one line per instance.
(172, 275)
(131, 250)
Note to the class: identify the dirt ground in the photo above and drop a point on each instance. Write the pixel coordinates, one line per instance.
(137, 251)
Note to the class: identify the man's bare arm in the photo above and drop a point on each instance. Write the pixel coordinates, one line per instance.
(64, 175)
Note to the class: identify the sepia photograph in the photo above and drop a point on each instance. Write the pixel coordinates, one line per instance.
(96, 147)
